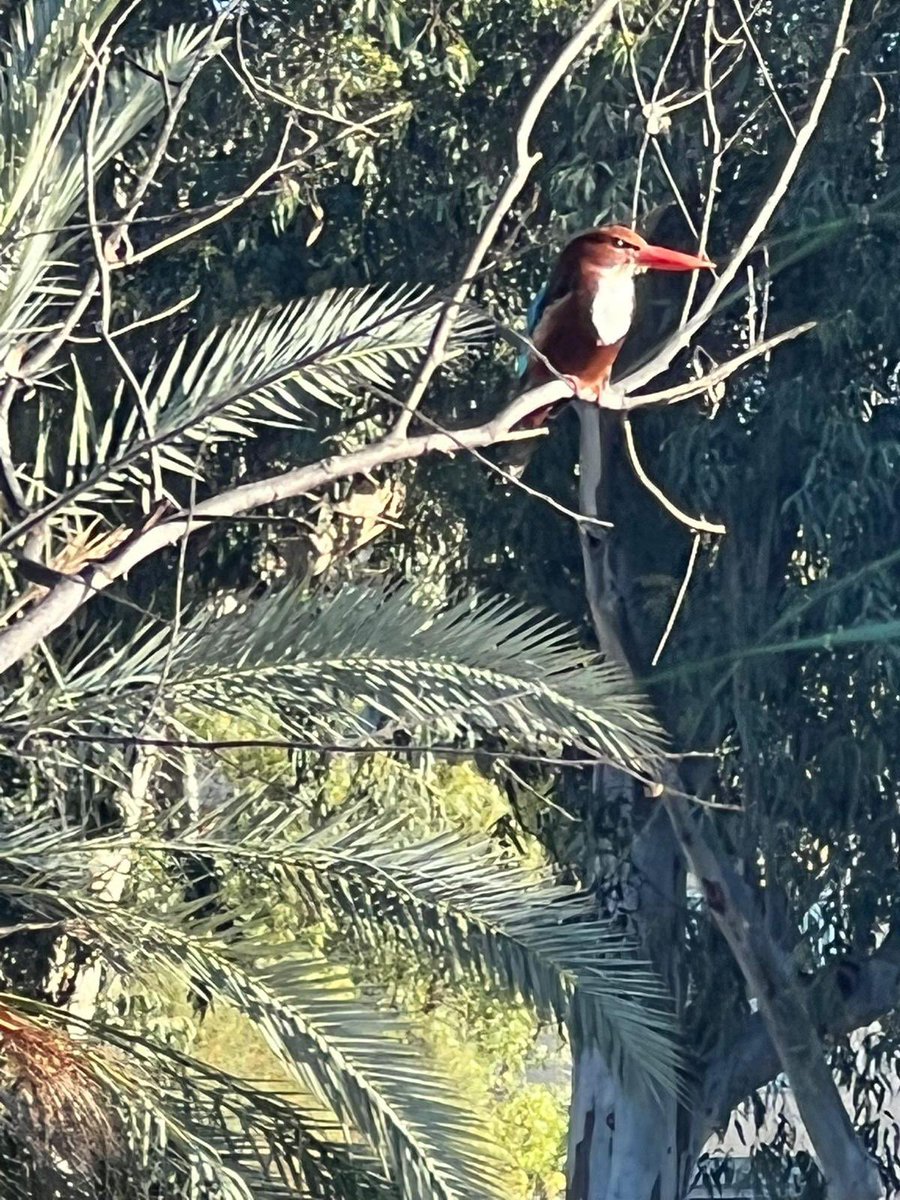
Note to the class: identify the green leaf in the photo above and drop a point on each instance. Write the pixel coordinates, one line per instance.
(358, 1060)
(325, 667)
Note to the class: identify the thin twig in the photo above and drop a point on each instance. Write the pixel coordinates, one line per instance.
(177, 605)
(717, 156)
(171, 311)
(679, 600)
(525, 162)
(649, 109)
(267, 743)
(101, 66)
(9, 482)
(44, 353)
(619, 400)
(763, 67)
(221, 212)
(683, 336)
(697, 524)
(252, 84)
(508, 477)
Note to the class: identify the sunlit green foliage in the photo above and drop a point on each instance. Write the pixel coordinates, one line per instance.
(782, 666)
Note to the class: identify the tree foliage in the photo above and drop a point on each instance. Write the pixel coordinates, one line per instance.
(331, 166)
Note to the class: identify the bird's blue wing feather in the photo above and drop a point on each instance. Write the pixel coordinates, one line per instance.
(535, 309)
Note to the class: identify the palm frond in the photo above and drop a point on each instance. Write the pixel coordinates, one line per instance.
(264, 366)
(44, 56)
(315, 670)
(358, 1060)
(244, 1143)
(43, 184)
(264, 370)
(516, 928)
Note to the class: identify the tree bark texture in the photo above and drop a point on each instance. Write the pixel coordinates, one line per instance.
(632, 1147)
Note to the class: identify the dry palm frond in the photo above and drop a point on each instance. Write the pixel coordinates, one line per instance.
(54, 1103)
(82, 547)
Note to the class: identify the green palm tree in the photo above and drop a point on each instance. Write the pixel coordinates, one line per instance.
(102, 819)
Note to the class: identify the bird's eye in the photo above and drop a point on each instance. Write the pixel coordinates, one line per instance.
(620, 244)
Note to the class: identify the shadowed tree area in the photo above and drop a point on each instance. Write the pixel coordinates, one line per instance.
(374, 823)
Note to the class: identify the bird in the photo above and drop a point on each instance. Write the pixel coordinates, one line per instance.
(581, 316)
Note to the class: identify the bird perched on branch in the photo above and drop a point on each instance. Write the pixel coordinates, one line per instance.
(581, 316)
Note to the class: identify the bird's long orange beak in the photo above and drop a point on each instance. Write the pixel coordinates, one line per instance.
(661, 258)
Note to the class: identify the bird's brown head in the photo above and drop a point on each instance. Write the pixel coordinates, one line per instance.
(609, 247)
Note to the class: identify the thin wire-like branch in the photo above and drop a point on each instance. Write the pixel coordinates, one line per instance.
(763, 67)
(439, 750)
(9, 482)
(102, 262)
(525, 162)
(679, 600)
(255, 87)
(697, 524)
(177, 606)
(177, 307)
(140, 741)
(535, 493)
(506, 476)
(715, 133)
(650, 110)
(44, 353)
(224, 210)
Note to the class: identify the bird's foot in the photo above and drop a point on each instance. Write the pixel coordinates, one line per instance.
(590, 394)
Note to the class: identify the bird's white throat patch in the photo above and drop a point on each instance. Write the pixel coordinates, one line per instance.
(612, 307)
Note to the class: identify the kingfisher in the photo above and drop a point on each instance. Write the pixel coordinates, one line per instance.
(579, 319)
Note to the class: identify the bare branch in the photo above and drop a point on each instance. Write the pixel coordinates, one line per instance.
(714, 133)
(763, 67)
(217, 745)
(70, 594)
(220, 213)
(650, 109)
(619, 398)
(771, 980)
(697, 524)
(41, 357)
(102, 261)
(843, 996)
(682, 337)
(679, 600)
(525, 161)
